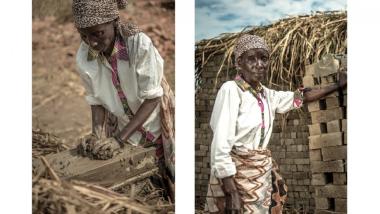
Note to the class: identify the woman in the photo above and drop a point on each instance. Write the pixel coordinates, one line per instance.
(122, 73)
(244, 178)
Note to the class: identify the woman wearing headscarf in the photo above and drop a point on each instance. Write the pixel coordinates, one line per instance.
(244, 178)
(122, 72)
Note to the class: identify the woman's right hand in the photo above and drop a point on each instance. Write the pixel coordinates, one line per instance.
(86, 144)
(233, 204)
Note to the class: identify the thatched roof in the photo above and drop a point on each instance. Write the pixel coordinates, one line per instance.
(294, 42)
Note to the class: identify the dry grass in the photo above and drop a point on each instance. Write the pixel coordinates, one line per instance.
(60, 9)
(44, 143)
(53, 195)
(294, 43)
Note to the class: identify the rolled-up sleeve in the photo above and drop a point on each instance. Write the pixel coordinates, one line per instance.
(288, 100)
(149, 68)
(223, 124)
(86, 80)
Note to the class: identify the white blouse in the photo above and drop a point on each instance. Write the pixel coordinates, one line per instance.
(236, 121)
(140, 79)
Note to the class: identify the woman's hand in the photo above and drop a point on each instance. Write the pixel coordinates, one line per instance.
(233, 204)
(105, 148)
(86, 144)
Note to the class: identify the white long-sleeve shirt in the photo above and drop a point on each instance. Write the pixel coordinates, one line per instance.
(140, 79)
(236, 121)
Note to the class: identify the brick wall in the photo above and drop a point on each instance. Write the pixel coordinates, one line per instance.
(289, 145)
(328, 144)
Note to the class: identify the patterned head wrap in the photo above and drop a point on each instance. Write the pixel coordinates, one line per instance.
(88, 13)
(248, 42)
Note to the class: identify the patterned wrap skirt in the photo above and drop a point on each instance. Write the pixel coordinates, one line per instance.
(260, 186)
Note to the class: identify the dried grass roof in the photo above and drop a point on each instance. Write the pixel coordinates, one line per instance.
(294, 42)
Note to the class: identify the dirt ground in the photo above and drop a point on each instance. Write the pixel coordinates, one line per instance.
(59, 106)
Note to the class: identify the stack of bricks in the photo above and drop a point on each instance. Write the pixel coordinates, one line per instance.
(204, 103)
(327, 141)
(290, 149)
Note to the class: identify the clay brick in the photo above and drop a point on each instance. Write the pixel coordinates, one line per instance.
(300, 175)
(315, 155)
(315, 129)
(314, 106)
(328, 115)
(309, 70)
(318, 179)
(334, 126)
(302, 161)
(334, 153)
(345, 138)
(332, 191)
(294, 155)
(322, 203)
(325, 140)
(330, 166)
(345, 98)
(308, 81)
(327, 212)
(340, 178)
(341, 205)
(344, 125)
(332, 102)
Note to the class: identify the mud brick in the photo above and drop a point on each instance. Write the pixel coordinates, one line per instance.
(331, 191)
(294, 155)
(308, 81)
(325, 116)
(300, 175)
(322, 203)
(289, 141)
(344, 125)
(300, 188)
(325, 140)
(345, 99)
(296, 122)
(334, 126)
(327, 212)
(302, 148)
(203, 148)
(291, 148)
(318, 179)
(293, 135)
(341, 205)
(334, 153)
(340, 178)
(315, 155)
(313, 106)
(317, 128)
(332, 102)
(302, 161)
(329, 166)
(309, 70)
(345, 138)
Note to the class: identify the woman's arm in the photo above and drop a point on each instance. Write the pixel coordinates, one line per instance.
(316, 94)
(139, 118)
(98, 118)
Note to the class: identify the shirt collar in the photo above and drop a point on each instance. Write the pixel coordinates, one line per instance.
(245, 86)
(119, 51)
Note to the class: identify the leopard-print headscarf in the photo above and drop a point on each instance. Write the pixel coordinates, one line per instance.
(247, 42)
(88, 13)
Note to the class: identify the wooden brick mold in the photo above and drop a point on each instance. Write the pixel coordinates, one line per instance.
(327, 140)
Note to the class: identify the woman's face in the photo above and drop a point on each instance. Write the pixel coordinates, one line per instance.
(99, 37)
(254, 65)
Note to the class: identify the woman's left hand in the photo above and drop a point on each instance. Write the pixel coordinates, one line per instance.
(105, 148)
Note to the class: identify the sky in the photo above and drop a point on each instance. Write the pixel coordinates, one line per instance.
(213, 17)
